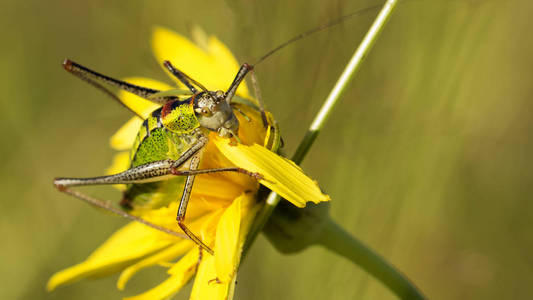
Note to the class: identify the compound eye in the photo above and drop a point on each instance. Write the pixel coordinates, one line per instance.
(206, 112)
(203, 111)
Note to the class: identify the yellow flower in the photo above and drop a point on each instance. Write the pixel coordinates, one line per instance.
(222, 205)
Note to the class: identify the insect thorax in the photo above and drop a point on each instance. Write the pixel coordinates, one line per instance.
(155, 139)
(178, 116)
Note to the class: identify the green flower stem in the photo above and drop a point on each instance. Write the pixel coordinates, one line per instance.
(325, 110)
(336, 239)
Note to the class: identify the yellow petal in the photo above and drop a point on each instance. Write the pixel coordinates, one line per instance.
(214, 68)
(142, 106)
(231, 233)
(161, 256)
(185, 269)
(124, 247)
(121, 162)
(226, 243)
(226, 61)
(281, 175)
(206, 285)
(199, 37)
(123, 139)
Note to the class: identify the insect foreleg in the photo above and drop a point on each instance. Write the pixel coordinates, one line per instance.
(184, 78)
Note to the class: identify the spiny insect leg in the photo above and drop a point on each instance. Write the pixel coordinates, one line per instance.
(200, 256)
(195, 161)
(149, 172)
(153, 171)
(108, 207)
(184, 78)
(255, 175)
(96, 79)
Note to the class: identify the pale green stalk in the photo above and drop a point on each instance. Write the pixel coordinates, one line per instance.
(334, 237)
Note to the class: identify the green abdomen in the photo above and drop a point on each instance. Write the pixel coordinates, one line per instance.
(153, 143)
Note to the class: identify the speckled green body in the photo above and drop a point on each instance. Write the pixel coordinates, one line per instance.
(165, 134)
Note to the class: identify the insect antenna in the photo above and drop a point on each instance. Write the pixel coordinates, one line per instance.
(248, 68)
(314, 30)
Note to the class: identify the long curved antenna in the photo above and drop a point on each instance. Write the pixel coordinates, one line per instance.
(316, 29)
(245, 68)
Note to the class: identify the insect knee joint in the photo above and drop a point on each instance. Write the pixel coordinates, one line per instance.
(175, 171)
(58, 185)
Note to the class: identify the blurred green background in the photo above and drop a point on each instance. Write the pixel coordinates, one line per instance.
(427, 156)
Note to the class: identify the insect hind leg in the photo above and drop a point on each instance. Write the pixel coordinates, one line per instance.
(106, 206)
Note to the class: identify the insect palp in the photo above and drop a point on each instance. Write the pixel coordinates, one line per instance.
(246, 117)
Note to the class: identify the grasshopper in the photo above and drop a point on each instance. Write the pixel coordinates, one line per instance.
(184, 124)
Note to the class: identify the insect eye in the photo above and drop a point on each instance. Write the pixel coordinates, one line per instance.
(206, 112)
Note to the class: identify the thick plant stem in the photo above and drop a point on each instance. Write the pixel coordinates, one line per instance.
(339, 88)
(341, 242)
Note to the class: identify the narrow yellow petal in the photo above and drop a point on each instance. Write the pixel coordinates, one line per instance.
(123, 139)
(161, 256)
(231, 233)
(186, 267)
(226, 242)
(124, 247)
(206, 285)
(142, 106)
(199, 37)
(226, 61)
(280, 174)
(121, 162)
